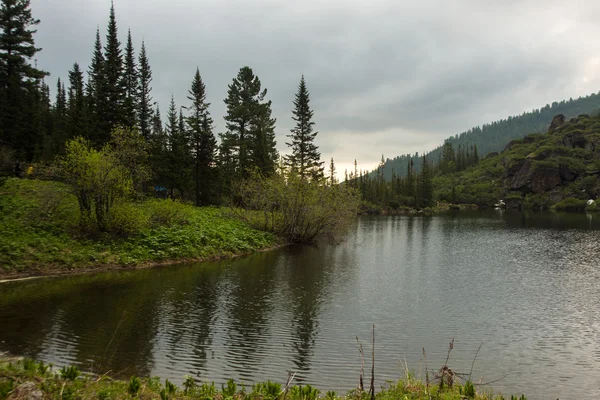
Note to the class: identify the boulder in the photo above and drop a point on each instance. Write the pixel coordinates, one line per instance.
(532, 179)
(557, 121)
(26, 391)
(555, 196)
(575, 139)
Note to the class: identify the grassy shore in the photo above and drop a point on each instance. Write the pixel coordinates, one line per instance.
(27, 379)
(40, 233)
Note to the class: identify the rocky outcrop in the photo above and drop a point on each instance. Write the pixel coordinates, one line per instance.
(530, 177)
(557, 121)
(575, 139)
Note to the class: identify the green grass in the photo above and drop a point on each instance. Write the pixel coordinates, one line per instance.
(68, 384)
(39, 230)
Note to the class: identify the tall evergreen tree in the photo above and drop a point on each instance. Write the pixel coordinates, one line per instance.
(60, 134)
(305, 157)
(250, 127)
(180, 154)
(332, 179)
(144, 100)
(202, 141)
(19, 80)
(76, 103)
(96, 92)
(130, 83)
(426, 184)
(115, 89)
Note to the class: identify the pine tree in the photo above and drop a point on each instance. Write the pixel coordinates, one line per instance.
(60, 134)
(180, 155)
(144, 101)
(130, 83)
(426, 184)
(96, 93)
(264, 154)
(250, 134)
(332, 179)
(19, 81)
(115, 89)
(159, 145)
(305, 158)
(202, 141)
(76, 104)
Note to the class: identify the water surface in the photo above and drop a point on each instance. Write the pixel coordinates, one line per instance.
(527, 287)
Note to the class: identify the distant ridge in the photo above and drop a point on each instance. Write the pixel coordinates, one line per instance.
(494, 137)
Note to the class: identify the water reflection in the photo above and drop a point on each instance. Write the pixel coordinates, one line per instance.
(524, 284)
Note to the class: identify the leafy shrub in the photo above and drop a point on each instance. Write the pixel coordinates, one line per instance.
(301, 211)
(571, 204)
(166, 213)
(126, 219)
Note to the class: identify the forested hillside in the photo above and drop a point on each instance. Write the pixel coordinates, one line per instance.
(495, 136)
(558, 168)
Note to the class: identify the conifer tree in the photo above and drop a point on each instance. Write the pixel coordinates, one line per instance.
(332, 179)
(202, 141)
(426, 184)
(96, 92)
(144, 101)
(115, 89)
(264, 154)
(59, 136)
(180, 154)
(305, 157)
(250, 134)
(19, 81)
(76, 103)
(130, 83)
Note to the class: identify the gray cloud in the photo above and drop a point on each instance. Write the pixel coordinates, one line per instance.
(385, 76)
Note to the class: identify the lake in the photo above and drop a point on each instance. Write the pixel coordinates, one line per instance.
(526, 286)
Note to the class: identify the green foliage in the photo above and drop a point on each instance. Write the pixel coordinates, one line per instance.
(6, 386)
(126, 219)
(170, 387)
(300, 211)
(134, 385)
(170, 230)
(306, 392)
(70, 373)
(268, 390)
(570, 204)
(97, 180)
(189, 384)
(468, 389)
(229, 389)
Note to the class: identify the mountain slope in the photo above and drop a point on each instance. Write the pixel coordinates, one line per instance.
(495, 136)
(537, 171)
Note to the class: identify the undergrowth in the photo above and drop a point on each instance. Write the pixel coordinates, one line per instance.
(40, 229)
(68, 383)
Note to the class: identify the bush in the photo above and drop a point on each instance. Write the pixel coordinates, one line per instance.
(301, 211)
(571, 204)
(167, 213)
(126, 219)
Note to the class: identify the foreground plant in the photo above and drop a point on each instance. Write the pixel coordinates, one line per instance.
(26, 378)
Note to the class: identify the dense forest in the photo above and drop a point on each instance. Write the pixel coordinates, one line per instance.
(493, 137)
(184, 158)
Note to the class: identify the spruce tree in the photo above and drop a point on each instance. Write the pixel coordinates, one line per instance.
(202, 141)
(130, 83)
(264, 154)
(115, 90)
(332, 179)
(426, 184)
(60, 134)
(305, 158)
(180, 154)
(20, 95)
(96, 92)
(144, 101)
(76, 104)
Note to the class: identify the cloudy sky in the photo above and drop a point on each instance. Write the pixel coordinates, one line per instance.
(386, 77)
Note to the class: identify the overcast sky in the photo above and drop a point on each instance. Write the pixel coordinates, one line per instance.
(385, 77)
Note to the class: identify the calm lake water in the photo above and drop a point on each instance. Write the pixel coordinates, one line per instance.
(527, 287)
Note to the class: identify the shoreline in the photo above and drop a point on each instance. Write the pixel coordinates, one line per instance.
(55, 272)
